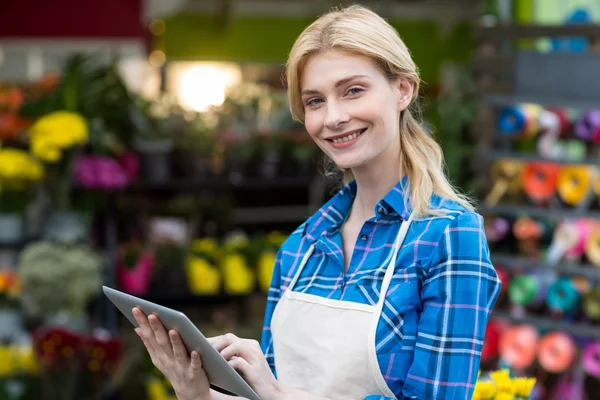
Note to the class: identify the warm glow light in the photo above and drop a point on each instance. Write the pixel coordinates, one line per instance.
(201, 85)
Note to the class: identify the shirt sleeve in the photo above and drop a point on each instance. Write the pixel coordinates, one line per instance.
(459, 291)
(272, 299)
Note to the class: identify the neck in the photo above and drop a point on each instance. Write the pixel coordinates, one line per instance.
(373, 185)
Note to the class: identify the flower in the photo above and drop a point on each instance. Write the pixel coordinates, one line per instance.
(523, 386)
(18, 169)
(55, 132)
(99, 172)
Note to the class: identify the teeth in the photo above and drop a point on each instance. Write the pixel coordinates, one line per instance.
(346, 138)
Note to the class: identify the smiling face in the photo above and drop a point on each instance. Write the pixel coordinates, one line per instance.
(351, 109)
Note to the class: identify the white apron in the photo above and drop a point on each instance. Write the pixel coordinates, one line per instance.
(327, 347)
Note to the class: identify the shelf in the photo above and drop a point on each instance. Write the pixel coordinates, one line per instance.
(517, 210)
(271, 214)
(589, 271)
(545, 101)
(183, 184)
(503, 32)
(493, 155)
(575, 329)
(184, 298)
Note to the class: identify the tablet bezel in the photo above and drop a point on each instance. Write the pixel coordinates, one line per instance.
(221, 375)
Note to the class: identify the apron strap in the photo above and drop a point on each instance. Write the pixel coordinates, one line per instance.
(389, 272)
(301, 267)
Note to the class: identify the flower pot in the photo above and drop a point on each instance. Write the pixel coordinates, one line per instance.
(136, 280)
(11, 323)
(155, 159)
(12, 228)
(66, 227)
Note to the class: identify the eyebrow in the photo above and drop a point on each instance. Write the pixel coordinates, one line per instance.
(337, 84)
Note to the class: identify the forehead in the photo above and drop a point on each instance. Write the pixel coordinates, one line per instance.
(326, 68)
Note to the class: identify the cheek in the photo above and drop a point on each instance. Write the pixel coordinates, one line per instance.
(312, 123)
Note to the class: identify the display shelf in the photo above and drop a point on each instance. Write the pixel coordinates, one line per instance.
(504, 100)
(186, 298)
(546, 323)
(517, 210)
(494, 155)
(510, 262)
(503, 32)
(271, 214)
(186, 184)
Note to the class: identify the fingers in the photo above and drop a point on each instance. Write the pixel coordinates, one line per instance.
(244, 348)
(196, 361)
(220, 342)
(162, 339)
(142, 321)
(148, 345)
(240, 365)
(179, 349)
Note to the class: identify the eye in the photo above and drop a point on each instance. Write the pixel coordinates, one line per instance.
(313, 101)
(355, 90)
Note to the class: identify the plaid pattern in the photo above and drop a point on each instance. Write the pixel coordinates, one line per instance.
(431, 330)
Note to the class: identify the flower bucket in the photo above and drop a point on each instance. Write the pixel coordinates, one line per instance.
(12, 228)
(136, 280)
(155, 159)
(66, 227)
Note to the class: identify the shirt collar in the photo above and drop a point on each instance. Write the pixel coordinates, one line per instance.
(331, 216)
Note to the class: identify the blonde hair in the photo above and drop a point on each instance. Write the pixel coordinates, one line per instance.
(358, 30)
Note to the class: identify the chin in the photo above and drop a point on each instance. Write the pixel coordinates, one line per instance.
(348, 162)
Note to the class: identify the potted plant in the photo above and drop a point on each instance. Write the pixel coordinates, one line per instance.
(18, 172)
(169, 273)
(197, 145)
(157, 125)
(134, 268)
(236, 264)
(58, 282)
(202, 269)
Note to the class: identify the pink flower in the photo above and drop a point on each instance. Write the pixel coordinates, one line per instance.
(100, 172)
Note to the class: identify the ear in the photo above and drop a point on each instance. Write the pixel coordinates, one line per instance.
(404, 90)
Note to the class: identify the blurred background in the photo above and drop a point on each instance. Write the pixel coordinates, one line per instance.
(147, 145)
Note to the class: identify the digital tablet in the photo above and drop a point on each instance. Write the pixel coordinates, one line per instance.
(221, 375)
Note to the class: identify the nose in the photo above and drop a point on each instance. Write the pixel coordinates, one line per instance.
(336, 115)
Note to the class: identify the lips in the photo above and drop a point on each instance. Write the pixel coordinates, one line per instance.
(347, 137)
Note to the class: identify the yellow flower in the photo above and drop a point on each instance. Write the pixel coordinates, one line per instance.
(202, 276)
(504, 396)
(7, 361)
(45, 150)
(155, 390)
(27, 359)
(64, 129)
(17, 168)
(484, 390)
(266, 262)
(523, 386)
(237, 275)
(204, 245)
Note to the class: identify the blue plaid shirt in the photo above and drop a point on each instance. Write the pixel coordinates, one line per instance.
(431, 330)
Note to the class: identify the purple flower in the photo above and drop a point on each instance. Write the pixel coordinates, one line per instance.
(99, 172)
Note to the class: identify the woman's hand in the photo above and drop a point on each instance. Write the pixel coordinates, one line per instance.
(170, 356)
(247, 358)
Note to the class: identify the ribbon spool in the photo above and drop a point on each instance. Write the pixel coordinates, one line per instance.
(590, 359)
(591, 305)
(592, 247)
(588, 126)
(493, 332)
(518, 346)
(584, 229)
(526, 228)
(504, 277)
(562, 297)
(507, 177)
(512, 120)
(550, 125)
(563, 119)
(527, 291)
(540, 180)
(574, 183)
(496, 229)
(556, 352)
(566, 237)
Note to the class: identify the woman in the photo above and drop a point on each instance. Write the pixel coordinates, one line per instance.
(385, 292)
